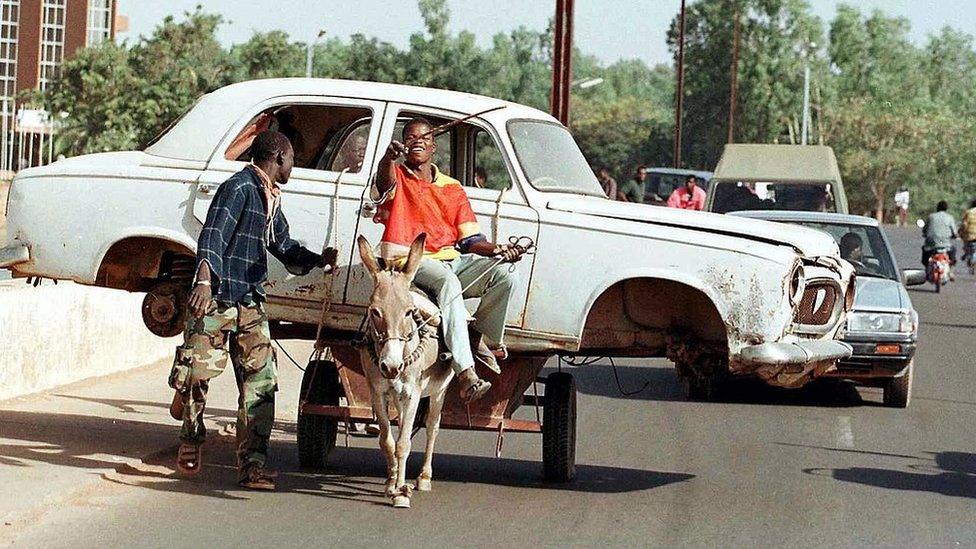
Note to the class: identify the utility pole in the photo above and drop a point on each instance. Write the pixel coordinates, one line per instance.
(735, 75)
(805, 131)
(806, 104)
(680, 91)
(562, 61)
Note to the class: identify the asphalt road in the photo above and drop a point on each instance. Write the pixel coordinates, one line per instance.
(826, 465)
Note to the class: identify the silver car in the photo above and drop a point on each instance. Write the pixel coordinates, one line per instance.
(882, 327)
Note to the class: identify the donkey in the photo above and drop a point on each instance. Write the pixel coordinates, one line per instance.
(401, 364)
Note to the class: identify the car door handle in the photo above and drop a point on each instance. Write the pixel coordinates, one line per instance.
(206, 189)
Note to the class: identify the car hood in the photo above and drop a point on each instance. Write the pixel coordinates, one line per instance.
(809, 242)
(880, 295)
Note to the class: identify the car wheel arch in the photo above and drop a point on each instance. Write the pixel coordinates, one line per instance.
(620, 306)
(133, 262)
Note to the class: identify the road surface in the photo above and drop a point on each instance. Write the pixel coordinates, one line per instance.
(91, 465)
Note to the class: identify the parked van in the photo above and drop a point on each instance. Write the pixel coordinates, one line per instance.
(776, 177)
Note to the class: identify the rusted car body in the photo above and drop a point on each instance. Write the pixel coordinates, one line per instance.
(718, 295)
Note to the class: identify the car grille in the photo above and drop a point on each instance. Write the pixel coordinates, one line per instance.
(817, 304)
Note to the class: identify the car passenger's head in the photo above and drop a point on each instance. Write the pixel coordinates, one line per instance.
(272, 151)
(420, 147)
(850, 247)
(480, 177)
(691, 182)
(942, 206)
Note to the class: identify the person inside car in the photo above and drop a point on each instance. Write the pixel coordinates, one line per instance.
(850, 249)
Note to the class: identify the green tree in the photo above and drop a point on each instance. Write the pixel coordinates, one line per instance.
(95, 91)
(773, 34)
(269, 55)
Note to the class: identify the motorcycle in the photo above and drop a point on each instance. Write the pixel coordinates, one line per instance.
(938, 269)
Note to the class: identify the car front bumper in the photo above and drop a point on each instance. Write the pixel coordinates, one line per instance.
(13, 255)
(791, 364)
(883, 357)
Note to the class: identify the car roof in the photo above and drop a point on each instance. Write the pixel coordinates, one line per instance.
(808, 217)
(196, 136)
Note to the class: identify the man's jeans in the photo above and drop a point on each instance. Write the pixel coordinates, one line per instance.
(443, 281)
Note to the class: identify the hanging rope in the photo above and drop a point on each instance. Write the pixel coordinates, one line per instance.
(331, 241)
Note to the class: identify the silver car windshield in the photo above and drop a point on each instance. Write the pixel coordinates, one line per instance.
(551, 159)
(862, 246)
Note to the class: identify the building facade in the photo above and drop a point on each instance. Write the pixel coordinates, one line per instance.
(35, 37)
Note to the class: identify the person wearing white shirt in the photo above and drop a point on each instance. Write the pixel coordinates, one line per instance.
(901, 202)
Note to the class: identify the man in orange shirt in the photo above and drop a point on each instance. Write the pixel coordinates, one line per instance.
(415, 197)
(688, 197)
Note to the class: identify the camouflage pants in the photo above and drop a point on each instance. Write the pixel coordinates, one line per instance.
(239, 332)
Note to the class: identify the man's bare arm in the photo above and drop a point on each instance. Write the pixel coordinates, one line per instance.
(386, 171)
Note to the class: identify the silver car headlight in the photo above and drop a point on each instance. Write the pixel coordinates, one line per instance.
(903, 323)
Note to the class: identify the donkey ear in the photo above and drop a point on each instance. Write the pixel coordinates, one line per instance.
(366, 253)
(415, 256)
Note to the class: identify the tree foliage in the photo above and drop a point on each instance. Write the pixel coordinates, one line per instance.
(895, 113)
(115, 96)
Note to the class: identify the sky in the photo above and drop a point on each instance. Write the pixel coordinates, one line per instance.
(609, 29)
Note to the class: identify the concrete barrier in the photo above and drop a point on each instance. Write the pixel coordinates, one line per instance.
(57, 334)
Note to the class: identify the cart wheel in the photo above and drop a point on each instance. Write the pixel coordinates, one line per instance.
(317, 434)
(559, 428)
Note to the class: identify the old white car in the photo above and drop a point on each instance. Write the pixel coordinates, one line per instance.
(717, 295)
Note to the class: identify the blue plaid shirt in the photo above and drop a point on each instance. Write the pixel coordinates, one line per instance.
(233, 240)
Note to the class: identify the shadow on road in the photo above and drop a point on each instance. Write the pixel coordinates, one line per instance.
(662, 384)
(111, 448)
(947, 473)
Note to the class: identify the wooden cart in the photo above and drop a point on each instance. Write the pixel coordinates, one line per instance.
(325, 381)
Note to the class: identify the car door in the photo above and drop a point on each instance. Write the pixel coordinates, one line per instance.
(334, 138)
(500, 214)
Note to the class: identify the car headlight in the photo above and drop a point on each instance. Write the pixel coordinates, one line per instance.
(882, 322)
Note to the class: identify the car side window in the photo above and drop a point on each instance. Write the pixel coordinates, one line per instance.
(489, 171)
(325, 137)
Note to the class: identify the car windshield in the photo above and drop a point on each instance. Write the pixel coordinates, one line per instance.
(737, 196)
(864, 247)
(551, 159)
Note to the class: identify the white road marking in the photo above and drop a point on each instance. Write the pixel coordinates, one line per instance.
(845, 434)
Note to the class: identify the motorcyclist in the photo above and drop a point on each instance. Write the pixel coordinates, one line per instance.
(967, 232)
(939, 232)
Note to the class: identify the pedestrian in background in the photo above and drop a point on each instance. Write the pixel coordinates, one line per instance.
(689, 196)
(632, 190)
(608, 183)
(901, 204)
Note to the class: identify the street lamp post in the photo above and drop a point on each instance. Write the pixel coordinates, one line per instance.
(805, 124)
(310, 53)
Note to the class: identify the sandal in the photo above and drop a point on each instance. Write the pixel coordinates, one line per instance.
(256, 477)
(189, 458)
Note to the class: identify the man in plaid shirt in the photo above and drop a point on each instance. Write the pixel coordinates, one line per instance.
(227, 305)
